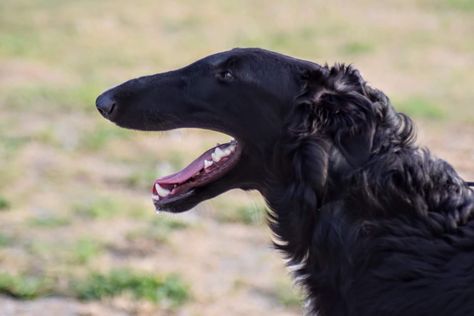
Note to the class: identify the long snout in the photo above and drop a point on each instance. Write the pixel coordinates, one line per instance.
(145, 103)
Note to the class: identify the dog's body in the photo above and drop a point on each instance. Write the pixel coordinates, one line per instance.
(370, 223)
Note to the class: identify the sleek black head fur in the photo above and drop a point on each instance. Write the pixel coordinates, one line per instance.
(370, 223)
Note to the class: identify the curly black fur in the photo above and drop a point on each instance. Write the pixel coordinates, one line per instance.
(370, 223)
(373, 224)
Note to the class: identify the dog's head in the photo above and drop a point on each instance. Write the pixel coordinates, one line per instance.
(270, 104)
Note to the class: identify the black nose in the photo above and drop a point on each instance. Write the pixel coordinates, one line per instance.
(106, 104)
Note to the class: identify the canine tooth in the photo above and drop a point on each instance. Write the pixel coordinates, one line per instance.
(228, 151)
(161, 191)
(207, 163)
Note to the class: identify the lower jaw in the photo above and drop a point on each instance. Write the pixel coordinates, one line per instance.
(167, 205)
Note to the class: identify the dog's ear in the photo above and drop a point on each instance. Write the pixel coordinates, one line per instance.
(307, 155)
(355, 144)
(349, 113)
(301, 120)
(348, 119)
(334, 104)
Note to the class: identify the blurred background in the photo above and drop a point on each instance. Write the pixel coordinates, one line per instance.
(78, 231)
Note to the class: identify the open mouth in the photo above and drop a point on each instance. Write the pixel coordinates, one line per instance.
(206, 169)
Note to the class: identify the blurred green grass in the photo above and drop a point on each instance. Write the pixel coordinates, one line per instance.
(85, 249)
(5, 240)
(23, 287)
(49, 221)
(169, 290)
(158, 230)
(422, 108)
(4, 204)
(57, 153)
(141, 286)
(287, 294)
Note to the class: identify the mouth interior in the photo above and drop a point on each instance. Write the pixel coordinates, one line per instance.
(207, 168)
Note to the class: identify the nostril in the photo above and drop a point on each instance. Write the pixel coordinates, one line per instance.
(112, 107)
(108, 108)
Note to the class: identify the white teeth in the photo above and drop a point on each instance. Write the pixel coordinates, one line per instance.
(207, 163)
(215, 157)
(161, 191)
(219, 152)
(230, 149)
(155, 197)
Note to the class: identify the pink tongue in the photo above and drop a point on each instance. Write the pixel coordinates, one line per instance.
(185, 174)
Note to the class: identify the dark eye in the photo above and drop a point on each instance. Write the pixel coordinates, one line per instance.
(226, 75)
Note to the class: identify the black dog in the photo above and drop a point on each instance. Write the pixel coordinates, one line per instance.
(371, 224)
